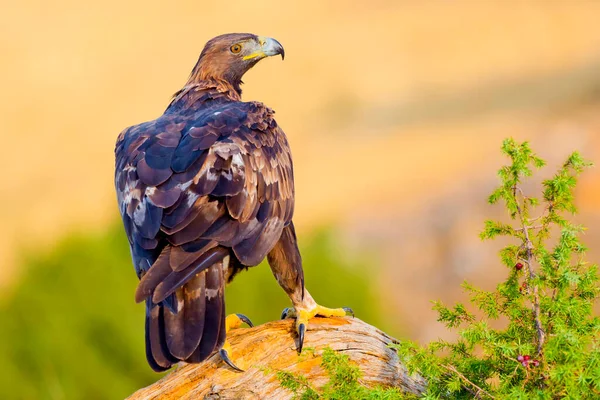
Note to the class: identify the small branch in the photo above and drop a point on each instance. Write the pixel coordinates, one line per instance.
(529, 228)
(541, 335)
(479, 391)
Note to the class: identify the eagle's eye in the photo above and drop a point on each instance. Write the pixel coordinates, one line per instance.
(236, 48)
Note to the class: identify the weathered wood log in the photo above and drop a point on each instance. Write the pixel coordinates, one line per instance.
(271, 347)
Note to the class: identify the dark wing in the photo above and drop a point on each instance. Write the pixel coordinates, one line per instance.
(221, 177)
(193, 189)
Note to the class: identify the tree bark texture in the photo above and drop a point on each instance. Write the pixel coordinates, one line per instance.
(263, 350)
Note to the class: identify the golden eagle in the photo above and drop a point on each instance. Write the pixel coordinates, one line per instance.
(206, 190)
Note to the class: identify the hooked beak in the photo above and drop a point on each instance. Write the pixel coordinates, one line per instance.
(271, 47)
(268, 47)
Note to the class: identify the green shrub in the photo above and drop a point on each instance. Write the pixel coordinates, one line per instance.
(547, 346)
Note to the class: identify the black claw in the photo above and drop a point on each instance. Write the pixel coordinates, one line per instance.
(285, 312)
(225, 357)
(245, 320)
(349, 311)
(301, 330)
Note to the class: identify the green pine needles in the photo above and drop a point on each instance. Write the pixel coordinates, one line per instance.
(343, 382)
(548, 346)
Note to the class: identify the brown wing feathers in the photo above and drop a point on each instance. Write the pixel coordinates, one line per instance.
(177, 279)
(155, 275)
(203, 183)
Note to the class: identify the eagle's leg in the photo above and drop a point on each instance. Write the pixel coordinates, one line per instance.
(308, 309)
(232, 321)
(286, 265)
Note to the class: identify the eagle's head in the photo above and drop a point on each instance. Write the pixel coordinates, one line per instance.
(228, 57)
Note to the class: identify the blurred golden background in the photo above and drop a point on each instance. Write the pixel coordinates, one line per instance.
(395, 111)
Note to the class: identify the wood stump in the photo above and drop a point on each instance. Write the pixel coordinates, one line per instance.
(265, 349)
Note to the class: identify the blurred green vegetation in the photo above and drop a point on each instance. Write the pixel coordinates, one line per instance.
(71, 329)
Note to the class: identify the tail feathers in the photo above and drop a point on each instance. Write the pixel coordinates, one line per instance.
(213, 336)
(157, 353)
(185, 328)
(196, 330)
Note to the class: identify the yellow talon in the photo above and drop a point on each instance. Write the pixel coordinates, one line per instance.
(302, 316)
(330, 312)
(232, 321)
(226, 347)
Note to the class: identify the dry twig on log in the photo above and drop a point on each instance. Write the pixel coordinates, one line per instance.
(268, 348)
